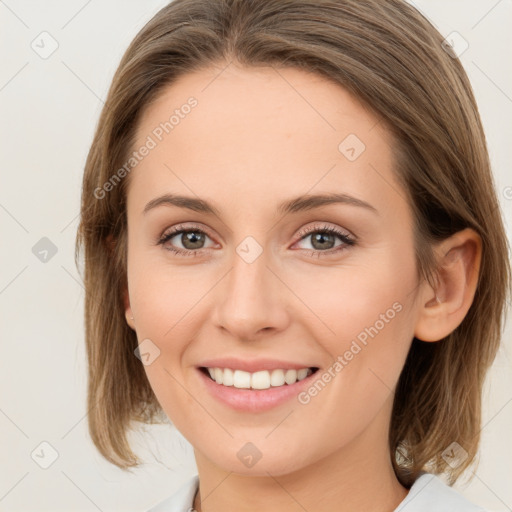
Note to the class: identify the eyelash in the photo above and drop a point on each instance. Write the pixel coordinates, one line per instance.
(347, 240)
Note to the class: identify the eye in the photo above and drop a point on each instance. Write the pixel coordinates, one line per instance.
(323, 240)
(192, 240)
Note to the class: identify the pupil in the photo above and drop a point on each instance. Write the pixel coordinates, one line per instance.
(320, 238)
(192, 240)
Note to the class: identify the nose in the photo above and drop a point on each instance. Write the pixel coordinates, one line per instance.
(251, 300)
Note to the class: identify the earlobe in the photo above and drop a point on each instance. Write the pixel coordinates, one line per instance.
(442, 310)
(110, 243)
(127, 309)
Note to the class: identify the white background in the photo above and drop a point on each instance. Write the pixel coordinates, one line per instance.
(49, 109)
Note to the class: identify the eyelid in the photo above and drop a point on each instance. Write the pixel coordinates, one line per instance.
(178, 229)
(344, 235)
(347, 238)
(182, 226)
(325, 227)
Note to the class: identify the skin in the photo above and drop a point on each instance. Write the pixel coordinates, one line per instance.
(256, 138)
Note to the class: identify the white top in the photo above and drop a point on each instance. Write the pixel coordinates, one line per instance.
(428, 493)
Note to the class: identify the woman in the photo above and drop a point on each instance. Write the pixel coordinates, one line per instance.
(293, 248)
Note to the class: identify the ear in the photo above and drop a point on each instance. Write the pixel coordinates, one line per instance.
(127, 308)
(110, 243)
(459, 260)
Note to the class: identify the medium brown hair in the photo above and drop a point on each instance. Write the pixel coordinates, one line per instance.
(391, 58)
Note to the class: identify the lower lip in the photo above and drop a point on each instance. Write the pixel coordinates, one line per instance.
(254, 400)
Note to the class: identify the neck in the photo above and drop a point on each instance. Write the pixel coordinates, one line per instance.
(358, 476)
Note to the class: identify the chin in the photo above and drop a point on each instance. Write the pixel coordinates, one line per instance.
(260, 459)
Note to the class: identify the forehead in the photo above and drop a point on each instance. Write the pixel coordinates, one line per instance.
(264, 130)
(264, 101)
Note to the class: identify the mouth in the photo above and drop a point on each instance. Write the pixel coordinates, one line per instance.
(263, 379)
(257, 391)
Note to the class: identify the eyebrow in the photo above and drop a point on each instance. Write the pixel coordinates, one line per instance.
(298, 204)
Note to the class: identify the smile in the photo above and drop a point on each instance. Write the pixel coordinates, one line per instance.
(263, 379)
(254, 389)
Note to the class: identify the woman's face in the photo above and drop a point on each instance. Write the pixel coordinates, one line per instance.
(259, 287)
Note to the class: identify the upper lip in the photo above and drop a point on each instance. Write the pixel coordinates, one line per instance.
(253, 365)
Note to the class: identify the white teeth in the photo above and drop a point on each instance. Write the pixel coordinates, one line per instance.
(241, 379)
(258, 380)
(277, 378)
(290, 376)
(227, 378)
(218, 375)
(302, 373)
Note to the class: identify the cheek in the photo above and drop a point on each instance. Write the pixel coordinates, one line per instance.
(357, 302)
(373, 336)
(164, 297)
(170, 305)
(365, 325)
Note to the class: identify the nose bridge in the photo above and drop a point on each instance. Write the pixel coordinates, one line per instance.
(250, 300)
(249, 277)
